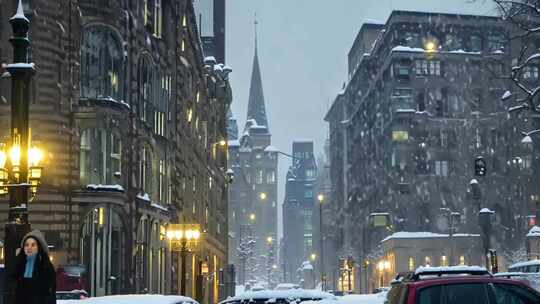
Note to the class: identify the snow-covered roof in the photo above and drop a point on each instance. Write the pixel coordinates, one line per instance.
(101, 187)
(234, 143)
(401, 48)
(473, 181)
(424, 269)
(526, 140)
(158, 206)
(143, 196)
(130, 299)
(527, 263)
(535, 231)
(270, 149)
(424, 235)
(281, 294)
(303, 140)
(373, 21)
(486, 210)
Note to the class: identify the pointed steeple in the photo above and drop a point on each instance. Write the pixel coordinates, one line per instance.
(256, 107)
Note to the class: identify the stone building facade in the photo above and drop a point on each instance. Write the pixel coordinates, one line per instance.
(423, 100)
(130, 115)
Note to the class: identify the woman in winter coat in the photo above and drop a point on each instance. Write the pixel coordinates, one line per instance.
(34, 274)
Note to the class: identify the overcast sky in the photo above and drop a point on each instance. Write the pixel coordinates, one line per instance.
(303, 46)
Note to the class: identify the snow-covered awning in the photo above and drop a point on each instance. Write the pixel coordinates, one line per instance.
(424, 235)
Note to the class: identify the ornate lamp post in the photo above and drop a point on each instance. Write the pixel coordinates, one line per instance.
(183, 238)
(320, 198)
(484, 217)
(20, 173)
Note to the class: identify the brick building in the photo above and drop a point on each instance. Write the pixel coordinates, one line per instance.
(130, 114)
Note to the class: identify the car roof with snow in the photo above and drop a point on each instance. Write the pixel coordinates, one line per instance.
(527, 263)
(292, 294)
(132, 299)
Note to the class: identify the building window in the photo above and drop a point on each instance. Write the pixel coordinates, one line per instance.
(441, 167)
(453, 42)
(427, 67)
(495, 42)
(444, 261)
(101, 64)
(402, 98)
(271, 177)
(412, 39)
(462, 260)
(399, 135)
(146, 88)
(158, 19)
(183, 45)
(402, 69)
(259, 179)
(310, 173)
(530, 73)
(100, 157)
(184, 21)
(193, 184)
(475, 43)
(427, 261)
(308, 194)
(161, 181)
(411, 264)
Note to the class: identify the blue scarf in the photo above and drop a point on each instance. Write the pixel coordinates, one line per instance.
(30, 261)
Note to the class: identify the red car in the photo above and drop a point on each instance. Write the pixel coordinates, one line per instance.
(458, 285)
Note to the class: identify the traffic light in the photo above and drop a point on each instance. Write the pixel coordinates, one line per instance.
(480, 166)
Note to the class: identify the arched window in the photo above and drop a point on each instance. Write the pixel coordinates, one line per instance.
(101, 64)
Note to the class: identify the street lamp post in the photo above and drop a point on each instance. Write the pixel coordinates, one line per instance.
(320, 198)
(269, 264)
(182, 237)
(19, 170)
(484, 217)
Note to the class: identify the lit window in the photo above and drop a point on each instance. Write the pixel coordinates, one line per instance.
(183, 45)
(184, 21)
(259, 177)
(210, 182)
(194, 188)
(400, 135)
(427, 67)
(189, 115)
(461, 260)
(427, 261)
(444, 261)
(411, 264)
(271, 177)
(158, 19)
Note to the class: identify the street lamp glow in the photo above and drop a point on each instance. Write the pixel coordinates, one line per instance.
(252, 217)
(269, 240)
(320, 197)
(222, 143)
(274, 266)
(430, 46)
(313, 256)
(3, 159)
(34, 156)
(262, 196)
(15, 155)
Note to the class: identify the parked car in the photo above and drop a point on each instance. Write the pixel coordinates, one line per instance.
(71, 277)
(458, 285)
(278, 296)
(529, 266)
(133, 299)
(71, 295)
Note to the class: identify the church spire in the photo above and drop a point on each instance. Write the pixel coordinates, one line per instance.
(256, 107)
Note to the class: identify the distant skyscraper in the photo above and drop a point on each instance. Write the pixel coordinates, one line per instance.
(253, 194)
(298, 208)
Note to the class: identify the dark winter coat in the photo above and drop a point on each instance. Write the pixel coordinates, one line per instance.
(41, 288)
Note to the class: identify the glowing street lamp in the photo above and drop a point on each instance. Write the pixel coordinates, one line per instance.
(262, 196)
(313, 257)
(181, 237)
(269, 240)
(252, 217)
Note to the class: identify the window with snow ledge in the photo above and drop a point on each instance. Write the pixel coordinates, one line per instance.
(100, 157)
(101, 64)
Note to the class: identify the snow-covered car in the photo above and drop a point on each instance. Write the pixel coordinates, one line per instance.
(133, 299)
(531, 278)
(377, 298)
(287, 286)
(528, 266)
(278, 296)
